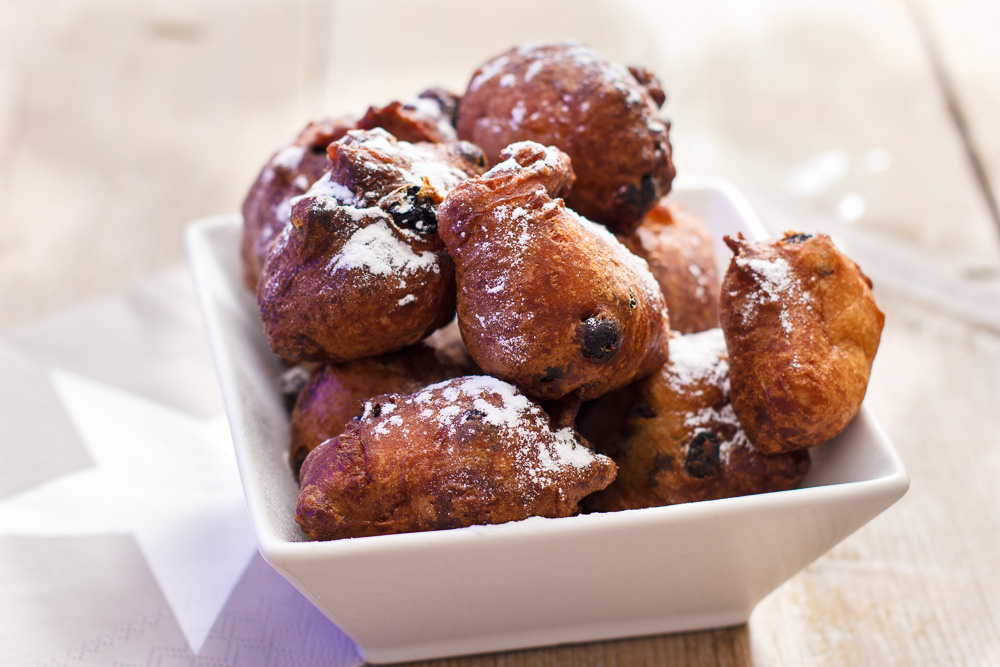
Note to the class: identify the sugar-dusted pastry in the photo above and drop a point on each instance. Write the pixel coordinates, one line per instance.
(289, 173)
(334, 393)
(678, 248)
(472, 450)
(430, 117)
(361, 270)
(293, 169)
(547, 299)
(604, 116)
(802, 330)
(676, 439)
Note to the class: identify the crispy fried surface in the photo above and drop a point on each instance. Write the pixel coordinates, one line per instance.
(430, 117)
(466, 451)
(548, 300)
(678, 248)
(361, 270)
(676, 439)
(334, 394)
(802, 330)
(602, 115)
(293, 169)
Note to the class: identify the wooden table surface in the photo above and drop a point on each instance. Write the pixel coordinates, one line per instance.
(874, 120)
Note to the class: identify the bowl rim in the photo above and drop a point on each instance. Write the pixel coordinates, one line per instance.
(886, 487)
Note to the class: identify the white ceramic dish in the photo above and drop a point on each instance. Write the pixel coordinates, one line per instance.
(540, 581)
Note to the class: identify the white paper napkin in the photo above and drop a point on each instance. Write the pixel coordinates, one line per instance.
(123, 531)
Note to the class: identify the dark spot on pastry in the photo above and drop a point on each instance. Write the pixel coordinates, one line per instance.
(824, 270)
(473, 414)
(298, 458)
(633, 303)
(702, 458)
(601, 337)
(446, 100)
(376, 411)
(471, 153)
(415, 211)
(292, 382)
(797, 238)
(552, 373)
(637, 200)
(642, 410)
(649, 191)
(662, 462)
(318, 149)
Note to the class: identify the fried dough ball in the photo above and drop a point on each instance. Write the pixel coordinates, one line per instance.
(287, 174)
(430, 117)
(802, 330)
(293, 169)
(547, 299)
(361, 270)
(604, 116)
(676, 439)
(467, 451)
(678, 248)
(333, 395)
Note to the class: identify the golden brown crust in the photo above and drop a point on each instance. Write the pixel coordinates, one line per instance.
(463, 452)
(548, 300)
(676, 439)
(430, 118)
(293, 169)
(603, 116)
(334, 394)
(361, 270)
(678, 248)
(802, 330)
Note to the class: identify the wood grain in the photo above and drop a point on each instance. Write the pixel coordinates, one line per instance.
(961, 39)
(120, 122)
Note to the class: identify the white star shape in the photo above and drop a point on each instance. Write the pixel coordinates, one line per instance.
(165, 477)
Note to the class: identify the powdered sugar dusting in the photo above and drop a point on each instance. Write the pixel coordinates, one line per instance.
(289, 158)
(710, 418)
(542, 455)
(549, 159)
(488, 71)
(696, 359)
(376, 250)
(778, 284)
(326, 194)
(432, 110)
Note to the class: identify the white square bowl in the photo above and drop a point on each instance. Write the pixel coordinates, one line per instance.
(540, 581)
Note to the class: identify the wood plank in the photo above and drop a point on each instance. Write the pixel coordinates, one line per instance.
(120, 122)
(961, 37)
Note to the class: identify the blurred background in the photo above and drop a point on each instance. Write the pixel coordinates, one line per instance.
(873, 120)
(122, 121)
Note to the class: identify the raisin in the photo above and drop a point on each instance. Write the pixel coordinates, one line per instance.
(601, 337)
(642, 410)
(414, 210)
(473, 414)
(702, 458)
(552, 373)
